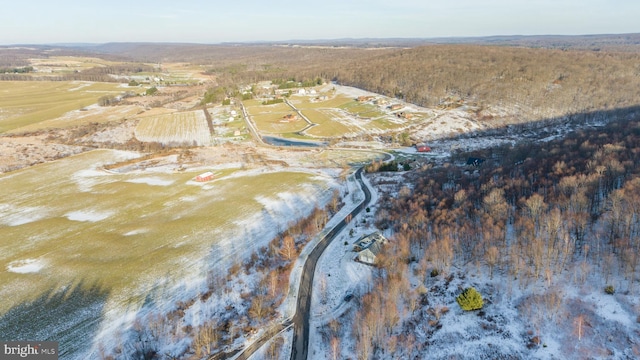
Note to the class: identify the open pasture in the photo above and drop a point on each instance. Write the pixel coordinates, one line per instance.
(385, 124)
(188, 127)
(67, 222)
(90, 114)
(361, 110)
(332, 102)
(256, 108)
(328, 124)
(273, 123)
(24, 103)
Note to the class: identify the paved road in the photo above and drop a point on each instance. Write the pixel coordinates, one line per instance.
(300, 321)
(300, 346)
(309, 122)
(252, 129)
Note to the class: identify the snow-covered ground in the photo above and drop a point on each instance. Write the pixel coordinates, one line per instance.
(339, 279)
(570, 319)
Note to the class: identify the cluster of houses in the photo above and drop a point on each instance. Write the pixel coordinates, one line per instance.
(384, 103)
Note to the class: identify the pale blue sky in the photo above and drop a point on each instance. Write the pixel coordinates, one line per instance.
(213, 21)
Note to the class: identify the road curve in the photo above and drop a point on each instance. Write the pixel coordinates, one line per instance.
(300, 346)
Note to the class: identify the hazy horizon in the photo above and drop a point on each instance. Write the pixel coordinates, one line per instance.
(65, 22)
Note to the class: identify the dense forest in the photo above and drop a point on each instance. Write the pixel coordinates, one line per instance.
(557, 214)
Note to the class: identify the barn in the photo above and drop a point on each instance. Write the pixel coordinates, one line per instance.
(204, 177)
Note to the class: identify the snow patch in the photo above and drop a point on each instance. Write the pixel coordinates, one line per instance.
(91, 215)
(151, 181)
(25, 266)
(609, 308)
(136, 232)
(11, 215)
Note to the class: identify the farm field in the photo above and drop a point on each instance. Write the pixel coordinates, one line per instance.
(269, 118)
(273, 124)
(256, 108)
(24, 103)
(56, 65)
(303, 102)
(184, 73)
(131, 234)
(366, 111)
(327, 126)
(89, 114)
(177, 128)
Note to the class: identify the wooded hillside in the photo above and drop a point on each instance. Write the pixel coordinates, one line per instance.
(546, 216)
(518, 84)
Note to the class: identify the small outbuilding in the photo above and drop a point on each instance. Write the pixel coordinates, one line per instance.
(205, 177)
(422, 148)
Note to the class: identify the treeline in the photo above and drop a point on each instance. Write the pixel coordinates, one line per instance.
(293, 83)
(120, 69)
(566, 210)
(97, 74)
(17, 70)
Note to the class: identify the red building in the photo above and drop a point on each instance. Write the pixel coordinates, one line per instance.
(422, 148)
(204, 177)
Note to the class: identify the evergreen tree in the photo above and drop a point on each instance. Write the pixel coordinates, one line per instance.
(470, 299)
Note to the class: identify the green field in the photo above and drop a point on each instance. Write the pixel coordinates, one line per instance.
(327, 125)
(335, 102)
(384, 124)
(67, 223)
(24, 103)
(256, 108)
(272, 123)
(362, 110)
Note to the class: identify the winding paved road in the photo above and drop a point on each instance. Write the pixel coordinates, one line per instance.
(300, 346)
(300, 320)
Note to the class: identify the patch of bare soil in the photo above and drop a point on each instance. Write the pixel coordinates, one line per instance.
(17, 152)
